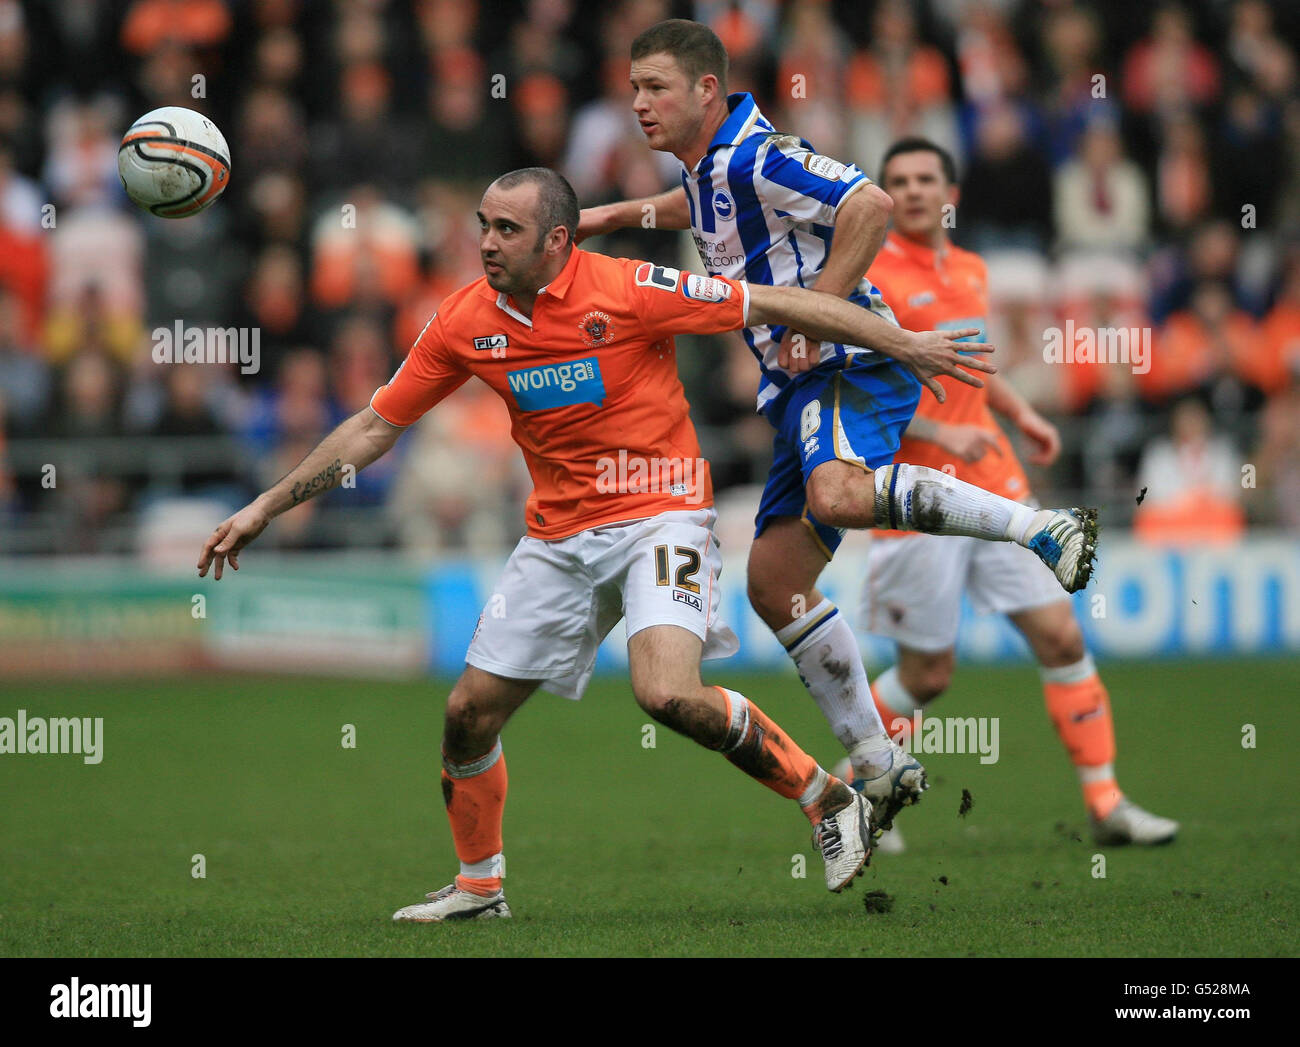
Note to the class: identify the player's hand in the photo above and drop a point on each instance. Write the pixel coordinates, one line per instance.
(798, 353)
(1044, 436)
(934, 353)
(968, 442)
(230, 537)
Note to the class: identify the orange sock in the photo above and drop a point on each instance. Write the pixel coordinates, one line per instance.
(475, 796)
(759, 747)
(1080, 710)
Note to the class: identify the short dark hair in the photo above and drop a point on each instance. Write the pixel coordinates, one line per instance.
(694, 46)
(557, 203)
(917, 144)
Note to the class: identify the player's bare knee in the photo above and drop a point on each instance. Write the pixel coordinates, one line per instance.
(681, 709)
(929, 676)
(468, 729)
(825, 498)
(843, 496)
(1060, 645)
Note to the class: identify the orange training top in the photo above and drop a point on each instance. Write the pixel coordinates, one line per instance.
(590, 381)
(947, 290)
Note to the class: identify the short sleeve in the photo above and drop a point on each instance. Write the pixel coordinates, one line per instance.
(807, 186)
(429, 373)
(669, 302)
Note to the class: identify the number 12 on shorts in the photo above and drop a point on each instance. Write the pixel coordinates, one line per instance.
(685, 570)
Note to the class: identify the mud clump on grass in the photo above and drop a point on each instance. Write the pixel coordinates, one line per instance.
(967, 802)
(877, 901)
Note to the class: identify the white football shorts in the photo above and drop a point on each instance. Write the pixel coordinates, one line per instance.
(912, 592)
(556, 601)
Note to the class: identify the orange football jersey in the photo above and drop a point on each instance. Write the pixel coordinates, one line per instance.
(947, 290)
(590, 380)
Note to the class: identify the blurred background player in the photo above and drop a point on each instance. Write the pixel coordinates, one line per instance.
(916, 581)
(766, 208)
(580, 348)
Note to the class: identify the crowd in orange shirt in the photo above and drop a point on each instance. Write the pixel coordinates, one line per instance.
(1121, 166)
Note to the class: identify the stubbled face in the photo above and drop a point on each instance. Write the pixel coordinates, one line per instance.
(513, 260)
(919, 189)
(669, 107)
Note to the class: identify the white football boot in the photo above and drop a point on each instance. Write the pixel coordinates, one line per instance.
(1065, 540)
(451, 903)
(889, 792)
(844, 840)
(1129, 823)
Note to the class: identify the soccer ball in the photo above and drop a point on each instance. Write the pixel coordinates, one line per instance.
(173, 162)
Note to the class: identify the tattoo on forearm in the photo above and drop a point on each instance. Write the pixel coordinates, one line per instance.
(322, 481)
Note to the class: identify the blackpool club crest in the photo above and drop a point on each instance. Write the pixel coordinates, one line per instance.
(597, 328)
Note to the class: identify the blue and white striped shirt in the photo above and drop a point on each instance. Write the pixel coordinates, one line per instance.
(763, 207)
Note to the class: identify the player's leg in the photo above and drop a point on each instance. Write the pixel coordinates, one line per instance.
(474, 794)
(667, 571)
(789, 552)
(855, 483)
(664, 662)
(1079, 706)
(784, 563)
(912, 595)
(917, 498)
(535, 629)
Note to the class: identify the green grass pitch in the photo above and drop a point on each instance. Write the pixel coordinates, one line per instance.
(617, 849)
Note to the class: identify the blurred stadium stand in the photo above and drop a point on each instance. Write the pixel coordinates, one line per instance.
(1124, 165)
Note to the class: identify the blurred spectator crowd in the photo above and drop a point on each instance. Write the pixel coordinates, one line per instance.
(1123, 166)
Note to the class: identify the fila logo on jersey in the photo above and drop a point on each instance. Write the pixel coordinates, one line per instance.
(558, 385)
(722, 205)
(663, 277)
(705, 288)
(492, 341)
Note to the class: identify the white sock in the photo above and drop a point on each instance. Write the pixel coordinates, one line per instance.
(489, 867)
(1075, 673)
(917, 498)
(826, 655)
(890, 689)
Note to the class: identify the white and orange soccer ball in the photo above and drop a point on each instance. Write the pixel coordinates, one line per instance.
(174, 162)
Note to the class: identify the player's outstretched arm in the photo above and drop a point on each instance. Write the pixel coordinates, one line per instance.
(666, 211)
(357, 442)
(925, 353)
